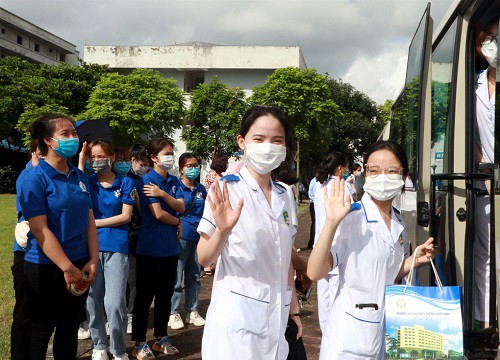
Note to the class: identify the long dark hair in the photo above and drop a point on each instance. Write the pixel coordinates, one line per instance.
(394, 148)
(327, 167)
(44, 127)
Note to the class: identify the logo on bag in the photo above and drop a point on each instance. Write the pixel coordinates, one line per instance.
(286, 217)
(401, 303)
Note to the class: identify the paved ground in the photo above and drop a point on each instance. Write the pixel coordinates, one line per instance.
(188, 340)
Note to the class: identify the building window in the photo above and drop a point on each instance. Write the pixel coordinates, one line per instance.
(3, 31)
(192, 79)
(37, 48)
(50, 50)
(2, 56)
(20, 40)
(62, 57)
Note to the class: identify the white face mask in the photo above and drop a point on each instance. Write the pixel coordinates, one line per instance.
(382, 188)
(140, 170)
(264, 157)
(490, 53)
(166, 162)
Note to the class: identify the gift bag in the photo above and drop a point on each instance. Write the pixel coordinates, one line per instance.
(423, 322)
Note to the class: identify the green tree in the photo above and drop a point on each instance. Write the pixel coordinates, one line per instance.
(305, 97)
(384, 111)
(142, 103)
(361, 122)
(33, 112)
(213, 119)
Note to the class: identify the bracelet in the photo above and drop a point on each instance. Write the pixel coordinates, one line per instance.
(295, 314)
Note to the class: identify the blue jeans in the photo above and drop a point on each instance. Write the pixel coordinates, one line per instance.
(187, 265)
(108, 293)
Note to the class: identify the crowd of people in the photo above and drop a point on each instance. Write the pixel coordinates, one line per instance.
(122, 226)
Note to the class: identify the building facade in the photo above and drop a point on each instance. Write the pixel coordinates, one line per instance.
(424, 342)
(23, 39)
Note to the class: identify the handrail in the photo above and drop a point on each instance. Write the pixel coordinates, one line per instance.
(462, 176)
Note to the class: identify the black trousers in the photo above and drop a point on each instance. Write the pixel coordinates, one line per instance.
(156, 278)
(313, 226)
(20, 331)
(53, 307)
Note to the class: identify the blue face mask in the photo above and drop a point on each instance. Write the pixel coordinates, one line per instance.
(122, 167)
(66, 148)
(346, 175)
(88, 169)
(192, 173)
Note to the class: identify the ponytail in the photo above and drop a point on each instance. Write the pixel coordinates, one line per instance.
(329, 164)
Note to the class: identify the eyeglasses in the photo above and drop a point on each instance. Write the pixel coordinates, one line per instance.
(489, 39)
(392, 172)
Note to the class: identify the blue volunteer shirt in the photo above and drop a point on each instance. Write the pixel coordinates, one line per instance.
(108, 202)
(191, 220)
(65, 200)
(20, 217)
(155, 237)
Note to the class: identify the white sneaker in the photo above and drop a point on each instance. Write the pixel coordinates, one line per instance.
(175, 322)
(143, 352)
(83, 330)
(122, 357)
(194, 318)
(129, 323)
(99, 354)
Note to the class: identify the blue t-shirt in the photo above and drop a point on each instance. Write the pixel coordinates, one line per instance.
(155, 237)
(65, 200)
(20, 217)
(108, 202)
(191, 220)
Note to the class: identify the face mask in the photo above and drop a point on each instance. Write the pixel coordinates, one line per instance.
(166, 162)
(88, 168)
(346, 175)
(66, 148)
(382, 188)
(264, 157)
(140, 170)
(122, 167)
(192, 173)
(490, 53)
(101, 166)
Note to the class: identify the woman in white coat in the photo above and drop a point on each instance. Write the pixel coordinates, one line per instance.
(247, 228)
(334, 166)
(370, 252)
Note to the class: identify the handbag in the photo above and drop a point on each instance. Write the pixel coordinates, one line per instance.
(423, 321)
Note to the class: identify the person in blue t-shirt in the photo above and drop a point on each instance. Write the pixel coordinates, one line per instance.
(62, 242)
(157, 249)
(113, 199)
(20, 330)
(194, 199)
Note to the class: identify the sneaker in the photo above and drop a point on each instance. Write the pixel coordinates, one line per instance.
(99, 354)
(165, 346)
(83, 330)
(143, 352)
(194, 318)
(122, 357)
(107, 328)
(129, 324)
(175, 322)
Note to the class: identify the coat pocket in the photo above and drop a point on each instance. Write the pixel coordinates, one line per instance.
(366, 326)
(248, 306)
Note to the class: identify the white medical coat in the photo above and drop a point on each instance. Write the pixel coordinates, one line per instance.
(250, 304)
(368, 257)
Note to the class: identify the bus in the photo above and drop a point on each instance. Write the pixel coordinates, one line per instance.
(434, 119)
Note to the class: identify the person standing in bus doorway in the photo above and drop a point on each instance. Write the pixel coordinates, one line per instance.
(310, 194)
(333, 167)
(370, 251)
(247, 226)
(486, 47)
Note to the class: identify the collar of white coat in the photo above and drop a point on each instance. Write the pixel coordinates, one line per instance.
(276, 189)
(482, 92)
(372, 215)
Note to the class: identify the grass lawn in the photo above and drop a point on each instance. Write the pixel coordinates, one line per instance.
(7, 224)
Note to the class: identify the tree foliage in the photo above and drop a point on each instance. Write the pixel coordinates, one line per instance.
(361, 122)
(305, 97)
(214, 119)
(142, 103)
(26, 87)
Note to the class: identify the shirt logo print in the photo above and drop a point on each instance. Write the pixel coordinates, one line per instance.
(286, 218)
(83, 187)
(118, 193)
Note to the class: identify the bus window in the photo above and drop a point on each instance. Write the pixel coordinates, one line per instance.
(443, 63)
